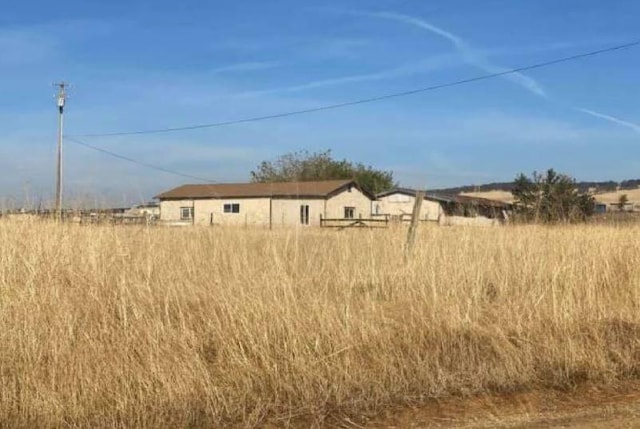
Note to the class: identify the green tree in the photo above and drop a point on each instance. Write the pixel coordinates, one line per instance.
(551, 197)
(622, 201)
(524, 191)
(304, 166)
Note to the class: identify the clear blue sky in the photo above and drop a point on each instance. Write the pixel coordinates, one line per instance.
(148, 64)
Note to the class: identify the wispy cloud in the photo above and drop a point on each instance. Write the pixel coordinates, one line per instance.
(311, 48)
(470, 55)
(429, 65)
(631, 125)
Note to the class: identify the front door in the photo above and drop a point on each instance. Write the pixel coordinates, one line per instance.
(304, 214)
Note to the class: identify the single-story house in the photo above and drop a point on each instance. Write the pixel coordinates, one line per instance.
(264, 204)
(446, 209)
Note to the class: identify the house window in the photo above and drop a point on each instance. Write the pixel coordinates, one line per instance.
(349, 212)
(186, 213)
(232, 208)
(304, 214)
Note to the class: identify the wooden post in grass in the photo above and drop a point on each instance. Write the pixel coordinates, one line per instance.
(415, 220)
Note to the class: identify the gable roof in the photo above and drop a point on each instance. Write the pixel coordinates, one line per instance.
(412, 193)
(443, 198)
(318, 189)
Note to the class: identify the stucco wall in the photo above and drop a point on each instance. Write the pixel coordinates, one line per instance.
(354, 198)
(255, 211)
(286, 212)
(399, 204)
(170, 210)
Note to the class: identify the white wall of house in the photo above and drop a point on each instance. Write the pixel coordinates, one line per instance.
(354, 198)
(170, 210)
(286, 211)
(250, 211)
(259, 211)
(400, 204)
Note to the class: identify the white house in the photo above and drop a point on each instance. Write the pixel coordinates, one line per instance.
(264, 204)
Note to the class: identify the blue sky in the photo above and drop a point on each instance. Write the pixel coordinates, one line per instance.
(151, 64)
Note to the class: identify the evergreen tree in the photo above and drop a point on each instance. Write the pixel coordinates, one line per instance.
(551, 197)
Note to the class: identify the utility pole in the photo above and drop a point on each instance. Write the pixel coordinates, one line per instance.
(62, 97)
(415, 220)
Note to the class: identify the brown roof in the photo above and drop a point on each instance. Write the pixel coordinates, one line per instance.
(322, 189)
(466, 199)
(444, 198)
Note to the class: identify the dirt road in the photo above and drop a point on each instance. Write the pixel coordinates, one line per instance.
(588, 407)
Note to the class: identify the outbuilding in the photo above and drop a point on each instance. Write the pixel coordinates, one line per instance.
(398, 203)
(445, 209)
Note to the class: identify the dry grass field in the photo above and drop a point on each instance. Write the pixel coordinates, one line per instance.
(633, 195)
(189, 327)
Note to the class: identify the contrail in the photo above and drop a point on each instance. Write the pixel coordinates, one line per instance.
(634, 127)
(479, 61)
(429, 65)
(466, 51)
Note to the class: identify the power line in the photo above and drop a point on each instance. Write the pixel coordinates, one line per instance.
(371, 99)
(145, 164)
(177, 173)
(135, 161)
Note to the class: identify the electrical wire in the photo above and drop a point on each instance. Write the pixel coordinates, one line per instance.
(371, 99)
(75, 139)
(135, 161)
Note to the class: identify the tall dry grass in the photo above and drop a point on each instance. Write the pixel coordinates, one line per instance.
(152, 327)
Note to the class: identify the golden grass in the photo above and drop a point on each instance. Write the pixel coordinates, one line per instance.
(191, 327)
(633, 196)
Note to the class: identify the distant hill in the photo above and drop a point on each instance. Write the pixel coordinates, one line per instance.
(600, 187)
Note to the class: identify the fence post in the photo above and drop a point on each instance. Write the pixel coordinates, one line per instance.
(415, 220)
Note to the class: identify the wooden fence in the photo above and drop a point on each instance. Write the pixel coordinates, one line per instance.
(360, 222)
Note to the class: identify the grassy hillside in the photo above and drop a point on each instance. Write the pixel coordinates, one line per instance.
(190, 327)
(583, 186)
(633, 196)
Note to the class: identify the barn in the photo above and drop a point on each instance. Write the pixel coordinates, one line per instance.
(445, 209)
(399, 202)
(264, 204)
